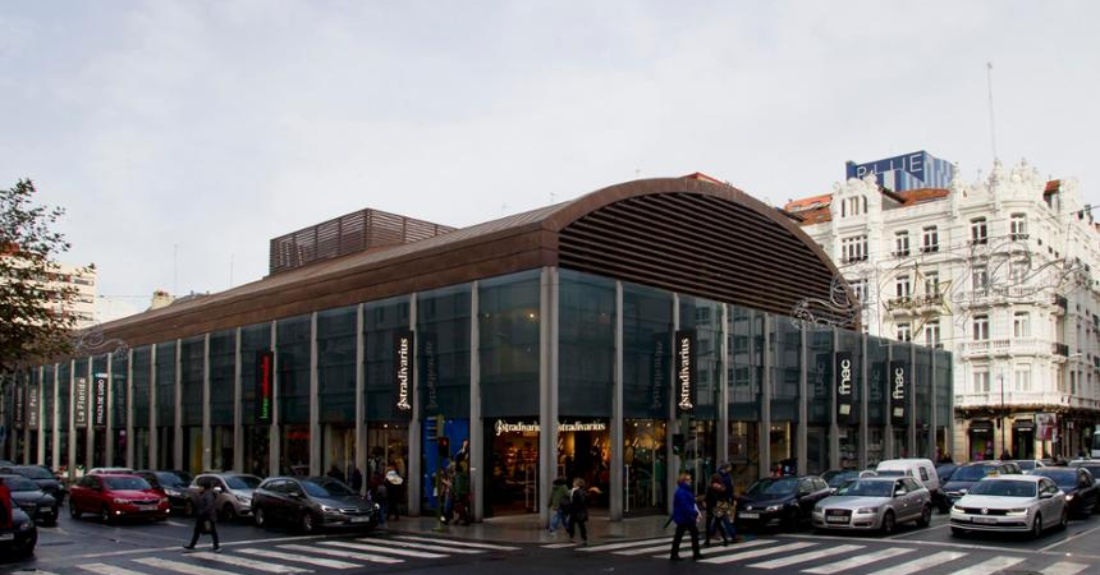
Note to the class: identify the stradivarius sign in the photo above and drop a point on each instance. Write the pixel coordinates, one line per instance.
(844, 373)
(402, 371)
(685, 371)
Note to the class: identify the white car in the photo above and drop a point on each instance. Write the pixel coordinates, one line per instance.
(1006, 503)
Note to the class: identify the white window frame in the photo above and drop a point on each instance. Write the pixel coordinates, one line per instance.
(981, 328)
(930, 239)
(980, 279)
(1022, 378)
(901, 244)
(981, 381)
(1018, 226)
(1021, 324)
(903, 287)
(932, 333)
(932, 283)
(905, 332)
(979, 231)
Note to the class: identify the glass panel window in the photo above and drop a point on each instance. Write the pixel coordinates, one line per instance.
(932, 333)
(1021, 324)
(443, 340)
(901, 244)
(902, 287)
(981, 328)
(1023, 378)
(931, 239)
(508, 318)
(859, 289)
(854, 249)
(981, 279)
(932, 283)
(586, 343)
(979, 231)
(905, 332)
(981, 381)
(1019, 226)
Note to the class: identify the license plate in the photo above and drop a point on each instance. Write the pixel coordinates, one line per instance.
(836, 519)
(360, 519)
(7, 536)
(747, 515)
(985, 520)
(147, 507)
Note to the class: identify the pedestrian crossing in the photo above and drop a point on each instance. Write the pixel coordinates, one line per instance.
(827, 557)
(296, 558)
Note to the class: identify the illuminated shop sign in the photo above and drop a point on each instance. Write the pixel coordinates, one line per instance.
(844, 373)
(402, 368)
(99, 403)
(265, 379)
(899, 391)
(685, 371)
(502, 427)
(80, 403)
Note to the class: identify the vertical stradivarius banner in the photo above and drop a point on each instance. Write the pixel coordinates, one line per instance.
(403, 346)
(898, 386)
(684, 349)
(265, 385)
(80, 403)
(99, 401)
(844, 374)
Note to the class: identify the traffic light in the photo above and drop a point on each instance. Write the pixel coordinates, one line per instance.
(444, 445)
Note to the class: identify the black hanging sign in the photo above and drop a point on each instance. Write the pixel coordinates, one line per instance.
(660, 371)
(18, 398)
(898, 385)
(845, 375)
(32, 405)
(429, 349)
(99, 402)
(685, 370)
(265, 385)
(403, 356)
(80, 403)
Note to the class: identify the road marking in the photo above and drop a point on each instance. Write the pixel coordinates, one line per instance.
(559, 545)
(755, 553)
(808, 556)
(249, 563)
(628, 544)
(923, 563)
(858, 561)
(381, 549)
(346, 554)
(1064, 568)
(459, 543)
(177, 548)
(104, 569)
(329, 563)
(851, 538)
(1068, 539)
(425, 546)
(704, 551)
(181, 567)
(177, 524)
(991, 566)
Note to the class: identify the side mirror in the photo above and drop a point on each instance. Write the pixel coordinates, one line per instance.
(296, 495)
(899, 493)
(1046, 495)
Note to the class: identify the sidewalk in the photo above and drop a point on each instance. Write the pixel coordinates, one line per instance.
(528, 529)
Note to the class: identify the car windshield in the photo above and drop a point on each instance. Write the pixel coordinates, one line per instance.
(168, 479)
(20, 484)
(34, 473)
(867, 489)
(1062, 478)
(242, 482)
(1004, 488)
(945, 471)
(891, 473)
(972, 472)
(128, 483)
(326, 488)
(1026, 465)
(1093, 468)
(784, 486)
(841, 478)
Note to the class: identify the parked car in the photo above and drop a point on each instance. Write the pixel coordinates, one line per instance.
(311, 503)
(971, 473)
(1093, 465)
(783, 501)
(1029, 464)
(18, 534)
(920, 469)
(945, 471)
(117, 496)
(837, 477)
(875, 503)
(26, 495)
(110, 471)
(1082, 492)
(234, 493)
(172, 483)
(43, 477)
(1007, 503)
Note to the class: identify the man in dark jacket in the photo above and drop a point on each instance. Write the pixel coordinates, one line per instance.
(685, 514)
(206, 517)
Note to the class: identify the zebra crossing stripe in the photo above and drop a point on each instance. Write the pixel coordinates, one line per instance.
(249, 563)
(459, 543)
(1064, 568)
(559, 545)
(381, 549)
(859, 561)
(346, 554)
(424, 546)
(272, 554)
(991, 566)
(723, 559)
(104, 569)
(627, 545)
(704, 551)
(178, 567)
(808, 556)
(922, 563)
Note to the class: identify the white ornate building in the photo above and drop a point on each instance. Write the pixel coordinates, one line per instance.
(1001, 273)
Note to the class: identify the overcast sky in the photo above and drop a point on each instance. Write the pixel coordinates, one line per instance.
(218, 125)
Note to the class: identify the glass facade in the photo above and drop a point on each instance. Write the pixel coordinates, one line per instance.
(508, 325)
(223, 367)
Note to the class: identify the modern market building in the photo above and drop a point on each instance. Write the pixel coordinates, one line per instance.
(665, 320)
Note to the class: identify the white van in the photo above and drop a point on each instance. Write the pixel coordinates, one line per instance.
(920, 469)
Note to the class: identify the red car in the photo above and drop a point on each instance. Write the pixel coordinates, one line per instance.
(118, 496)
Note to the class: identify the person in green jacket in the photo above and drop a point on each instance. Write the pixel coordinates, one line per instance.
(461, 494)
(559, 505)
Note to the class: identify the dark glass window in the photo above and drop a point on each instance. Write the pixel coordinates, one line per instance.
(381, 322)
(819, 403)
(254, 339)
(943, 388)
(877, 372)
(336, 364)
(508, 319)
(293, 369)
(586, 344)
(223, 353)
(443, 351)
(647, 353)
(141, 395)
(166, 385)
(119, 409)
(786, 350)
(47, 397)
(744, 369)
(191, 380)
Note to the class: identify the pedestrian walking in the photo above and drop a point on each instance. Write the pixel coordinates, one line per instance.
(446, 493)
(206, 517)
(715, 496)
(559, 507)
(685, 514)
(393, 491)
(377, 488)
(461, 494)
(355, 479)
(578, 512)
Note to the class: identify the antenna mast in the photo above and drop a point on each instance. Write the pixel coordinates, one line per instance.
(992, 122)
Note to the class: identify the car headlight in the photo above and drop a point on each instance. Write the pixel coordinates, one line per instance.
(26, 526)
(773, 508)
(867, 510)
(164, 500)
(329, 510)
(246, 499)
(121, 501)
(819, 509)
(1069, 498)
(957, 509)
(1016, 512)
(377, 507)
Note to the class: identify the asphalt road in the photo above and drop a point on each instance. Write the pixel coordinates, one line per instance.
(87, 547)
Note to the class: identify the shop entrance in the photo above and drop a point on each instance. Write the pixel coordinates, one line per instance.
(980, 435)
(1023, 439)
(646, 462)
(512, 459)
(584, 452)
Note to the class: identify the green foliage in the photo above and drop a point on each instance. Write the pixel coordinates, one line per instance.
(31, 326)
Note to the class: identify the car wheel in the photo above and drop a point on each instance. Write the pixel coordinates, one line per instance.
(26, 548)
(188, 508)
(1037, 527)
(73, 511)
(1064, 521)
(955, 531)
(306, 523)
(925, 517)
(229, 513)
(888, 523)
(105, 515)
(259, 517)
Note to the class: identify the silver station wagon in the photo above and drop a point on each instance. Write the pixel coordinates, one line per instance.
(875, 503)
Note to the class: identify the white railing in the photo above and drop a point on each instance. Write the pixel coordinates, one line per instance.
(1022, 398)
(1016, 346)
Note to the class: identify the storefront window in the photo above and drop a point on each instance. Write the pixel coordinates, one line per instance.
(166, 405)
(819, 404)
(64, 404)
(446, 443)
(923, 385)
(645, 458)
(80, 372)
(586, 345)
(745, 376)
(786, 362)
(647, 337)
(191, 381)
(223, 355)
(850, 342)
(877, 400)
(382, 320)
(943, 401)
(257, 449)
(512, 457)
(140, 395)
(980, 438)
(293, 359)
(47, 412)
(294, 446)
(336, 340)
(902, 352)
(388, 448)
(508, 319)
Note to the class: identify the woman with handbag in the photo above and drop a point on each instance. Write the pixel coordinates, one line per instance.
(715, 508)
(206, 517)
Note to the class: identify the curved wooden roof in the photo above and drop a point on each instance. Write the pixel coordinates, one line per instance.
(683, 234)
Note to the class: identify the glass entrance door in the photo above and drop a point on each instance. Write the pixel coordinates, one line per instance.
(512, 459)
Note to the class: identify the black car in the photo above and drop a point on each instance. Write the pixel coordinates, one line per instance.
(1082, 492)
(26, 495)
(172, 483)
(966, 475)
(44, 478)
(783, 501)
(1093, 465)
(18, 535)
(311, 503)
(944, 471)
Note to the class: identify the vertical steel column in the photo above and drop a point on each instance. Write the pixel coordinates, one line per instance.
(803, 402)
(415, 439)
(72, 421)
(617, 420)
(238, 423)
(177, 443)
(888, 432)
(56, 429)
(130, 439)
(864, 399)
(274, 443)
(548, 387)
(314, 400)
(41, 455)
(154, 436)
(764, 441)
(108, 439)
(912, 401)
(477, 428)
(723, 454)
(360, 398)
(207, 432)
(672, 470)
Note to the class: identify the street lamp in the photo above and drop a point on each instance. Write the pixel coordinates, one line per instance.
(1004, 449)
